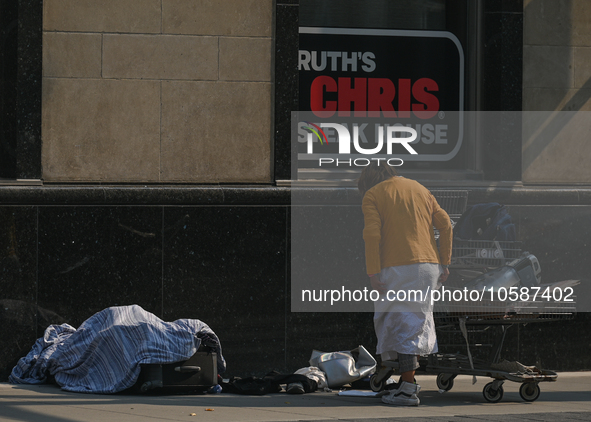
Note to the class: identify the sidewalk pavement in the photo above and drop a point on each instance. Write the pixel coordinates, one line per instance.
(567, 399)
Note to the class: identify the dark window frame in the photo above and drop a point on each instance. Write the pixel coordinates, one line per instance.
(25, 137)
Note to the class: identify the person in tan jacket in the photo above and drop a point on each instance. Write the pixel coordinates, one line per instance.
(404, 264)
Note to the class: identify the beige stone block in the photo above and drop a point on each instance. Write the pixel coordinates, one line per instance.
(547, 22)
(550, 99)
(548, 67)
(216, 132)
(245, 59)
(556, 150)
(139, 16)
(581, 26)
(557, 22)
(583, 67)
(101, 130)
(71, 55)
(160, 57)
(218, 17)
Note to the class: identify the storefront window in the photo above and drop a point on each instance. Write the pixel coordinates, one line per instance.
(404, 59)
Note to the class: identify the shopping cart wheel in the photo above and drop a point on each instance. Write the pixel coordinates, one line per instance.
(375, 385)
(492, 395)
(529, 391)
(445, 381)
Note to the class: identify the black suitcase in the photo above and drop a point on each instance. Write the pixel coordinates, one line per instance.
(198, 373)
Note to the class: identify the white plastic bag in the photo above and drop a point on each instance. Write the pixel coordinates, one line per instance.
(344, 367)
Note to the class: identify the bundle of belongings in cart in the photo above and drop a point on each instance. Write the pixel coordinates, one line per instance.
(120, 346)
(508, 282)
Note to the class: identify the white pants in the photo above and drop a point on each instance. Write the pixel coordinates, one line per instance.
(406, 326)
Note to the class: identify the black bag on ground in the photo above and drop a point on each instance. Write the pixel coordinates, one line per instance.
(489, 221)
(270, 383)
(252, 386)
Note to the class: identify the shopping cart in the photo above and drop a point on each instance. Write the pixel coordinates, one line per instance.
(481, 326)
(453, 201)
(495, 318)
(490, 319)
(476, 255)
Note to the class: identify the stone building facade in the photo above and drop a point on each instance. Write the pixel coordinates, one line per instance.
(146, 160)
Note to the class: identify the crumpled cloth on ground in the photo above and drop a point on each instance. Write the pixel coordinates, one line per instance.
(315, 374)
(104, 354)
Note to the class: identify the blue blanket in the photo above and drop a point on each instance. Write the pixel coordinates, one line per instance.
(104, 354)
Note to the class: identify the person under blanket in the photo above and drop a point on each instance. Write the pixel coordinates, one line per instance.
(105, 353)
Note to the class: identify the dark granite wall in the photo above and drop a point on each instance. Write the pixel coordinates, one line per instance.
(18, 284)
(225, 265)
(8, 86)
(20, 88)
(502, 70)
(30, 72)
(286, 83)
(229, 265)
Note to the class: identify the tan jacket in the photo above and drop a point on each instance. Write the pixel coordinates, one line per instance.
(399, 217)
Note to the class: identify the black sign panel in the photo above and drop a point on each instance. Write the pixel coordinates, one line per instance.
(373, 79)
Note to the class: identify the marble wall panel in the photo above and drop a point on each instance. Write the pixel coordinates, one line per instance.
(327, 247)
(18, 253)
(286, 86)
(9, 70)
(559, 237)
(504, 6)
(327, 252)
(503, 58)
(558, 345)
(19, 316)
(28, 104)
(92, 258)
(226, 267)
